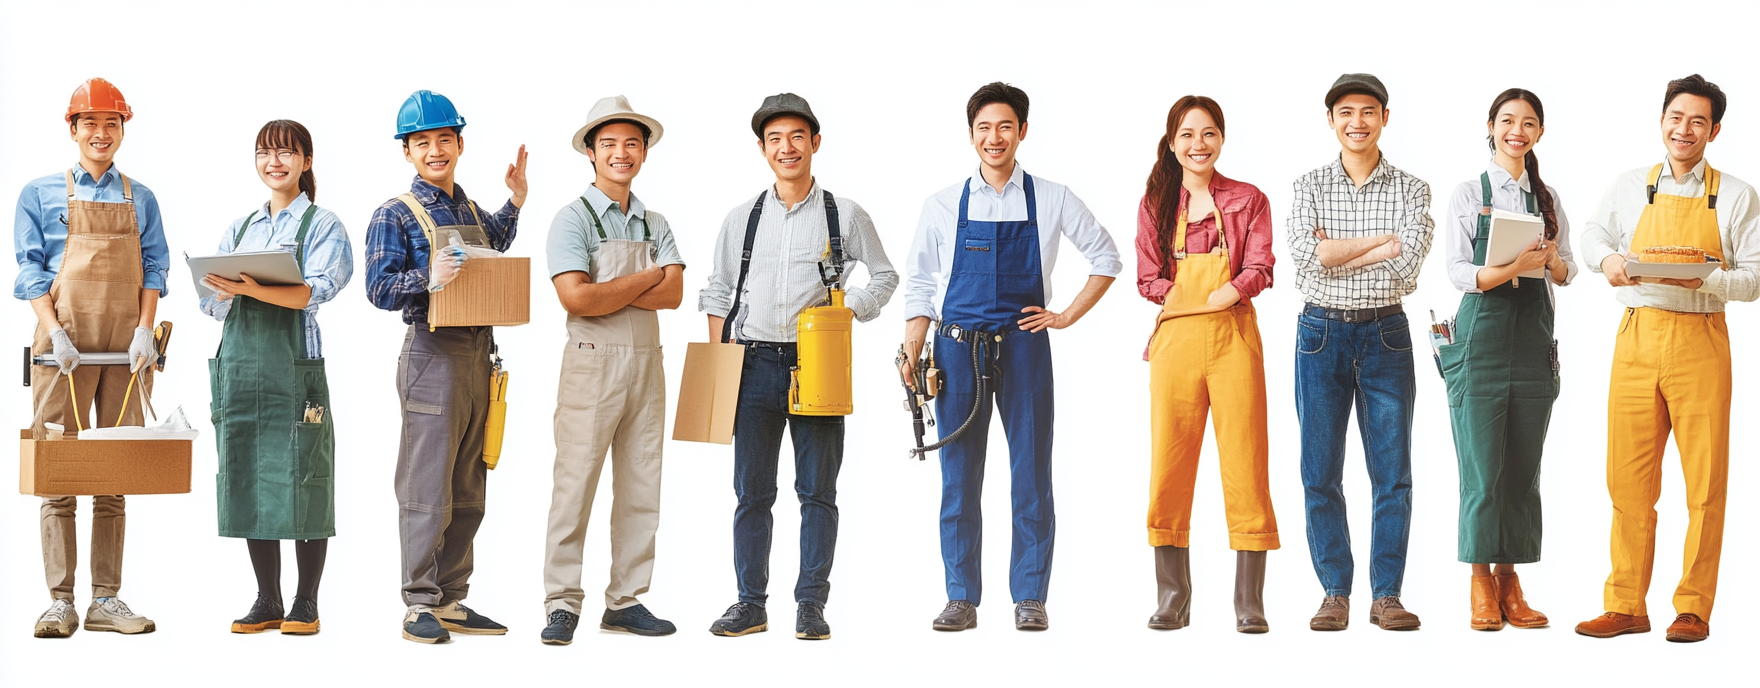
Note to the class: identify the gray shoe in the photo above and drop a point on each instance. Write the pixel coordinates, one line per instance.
(1334, 614)
(110, 614)
(59, 622)
(1390, 615)
(958, 616)
(1030, 615)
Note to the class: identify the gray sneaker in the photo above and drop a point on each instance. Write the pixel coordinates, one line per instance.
(59, 622)
(110, 614)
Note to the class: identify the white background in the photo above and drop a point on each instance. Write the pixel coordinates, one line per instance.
(890, 82)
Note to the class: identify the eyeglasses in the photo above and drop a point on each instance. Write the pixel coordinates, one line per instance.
(282, 154)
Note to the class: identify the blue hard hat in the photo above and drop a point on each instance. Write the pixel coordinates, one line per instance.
(426, 110)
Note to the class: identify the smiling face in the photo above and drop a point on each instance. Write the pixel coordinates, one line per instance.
(280, 168)
(98, 135)
(789, 144)
(1515, 130)
(435, 154)
(1686, 128)
(618, 151)
(1357, 118)
(996, 135)
(1198, 142)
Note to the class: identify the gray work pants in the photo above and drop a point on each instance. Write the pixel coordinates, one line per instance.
(443, 384)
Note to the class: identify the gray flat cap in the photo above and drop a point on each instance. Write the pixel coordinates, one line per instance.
(1356, 83)
(783, 104)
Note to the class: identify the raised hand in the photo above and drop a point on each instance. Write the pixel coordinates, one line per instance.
(516, 178)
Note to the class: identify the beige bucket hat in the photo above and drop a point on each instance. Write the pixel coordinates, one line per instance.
(614, 109)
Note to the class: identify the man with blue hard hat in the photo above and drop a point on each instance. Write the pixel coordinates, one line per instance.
(443, 373)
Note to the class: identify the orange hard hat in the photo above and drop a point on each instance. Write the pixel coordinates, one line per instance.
(98, 95)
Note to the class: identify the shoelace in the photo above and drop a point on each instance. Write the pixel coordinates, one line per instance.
(811, 613)
(57, 611)
(1034, 605)
(1392, 603)
(562, 617)
(1331, 603)
(1686, 619)
(640, 612)
(116, 607)
(954, 607)
(738, 609)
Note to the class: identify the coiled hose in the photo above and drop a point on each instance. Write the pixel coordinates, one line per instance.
(978, 376)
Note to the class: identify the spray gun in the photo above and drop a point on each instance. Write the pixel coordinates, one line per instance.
(921, 383)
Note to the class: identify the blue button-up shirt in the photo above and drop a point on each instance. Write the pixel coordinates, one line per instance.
(397, 250)
(329, 258)
(39, 235)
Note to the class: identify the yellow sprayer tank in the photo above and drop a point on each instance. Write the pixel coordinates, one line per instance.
(822, 382)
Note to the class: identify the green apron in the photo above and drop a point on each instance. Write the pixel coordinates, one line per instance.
(275, 469)
(1502, 377)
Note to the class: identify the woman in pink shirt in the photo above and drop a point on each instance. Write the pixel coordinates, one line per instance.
(1203, 253)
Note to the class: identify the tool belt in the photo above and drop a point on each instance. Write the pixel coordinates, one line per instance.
(1359, 315)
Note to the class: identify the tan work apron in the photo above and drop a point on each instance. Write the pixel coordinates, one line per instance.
(97, 297)
(611, 398)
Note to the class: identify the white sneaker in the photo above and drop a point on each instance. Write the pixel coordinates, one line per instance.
(111, 614)
(59, 622)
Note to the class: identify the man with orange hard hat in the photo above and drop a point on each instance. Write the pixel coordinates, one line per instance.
(92, 261)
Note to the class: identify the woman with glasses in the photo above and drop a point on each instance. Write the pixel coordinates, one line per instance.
(271, 403)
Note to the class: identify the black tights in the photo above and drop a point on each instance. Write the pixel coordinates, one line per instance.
(266, 561)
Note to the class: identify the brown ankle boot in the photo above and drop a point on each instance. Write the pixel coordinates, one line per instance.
(1173, 583)
(1249, 592)
(1515, 606)
(1487, 615)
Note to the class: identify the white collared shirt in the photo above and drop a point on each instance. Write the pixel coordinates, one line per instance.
(929, 265)
(1507, 194)
(1610, 231)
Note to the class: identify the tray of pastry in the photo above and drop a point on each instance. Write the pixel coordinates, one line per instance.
(1672, 262)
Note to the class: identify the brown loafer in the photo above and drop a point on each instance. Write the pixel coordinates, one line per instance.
(1688, 628)
(1515, 606)
(1611, 624)
(1487, 612)
(1334, 614)
(1390, 615)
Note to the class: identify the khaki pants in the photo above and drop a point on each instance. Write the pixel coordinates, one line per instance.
(610, 397)
(61, 546)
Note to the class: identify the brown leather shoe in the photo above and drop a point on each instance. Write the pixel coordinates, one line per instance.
(1487, 613)
(1688, 628)
(1334, 614)
(1390, 615)
(1515, 606)
(1611, 624)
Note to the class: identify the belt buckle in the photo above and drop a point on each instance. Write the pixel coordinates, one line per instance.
(956, 333)
(1352, 317)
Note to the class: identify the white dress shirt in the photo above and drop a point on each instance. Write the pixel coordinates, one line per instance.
(791, 245)
(1509, 195)
(929, 265)
(1610, 230)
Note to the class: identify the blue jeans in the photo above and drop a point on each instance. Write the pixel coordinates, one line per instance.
(1368, 364)
(757, 446)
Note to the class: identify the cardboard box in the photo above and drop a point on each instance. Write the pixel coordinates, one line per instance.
(60, 467)
(489, 291)
(708, 393)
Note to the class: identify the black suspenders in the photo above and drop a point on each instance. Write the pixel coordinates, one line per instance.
(745, 256)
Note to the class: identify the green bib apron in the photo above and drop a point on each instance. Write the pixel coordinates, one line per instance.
(1502, 378)
(275, 469)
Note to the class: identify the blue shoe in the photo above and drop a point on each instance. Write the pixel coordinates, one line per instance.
(809, 622)
(637, 620)
(740, 619)
(424, 628)
(560, 630)
(460, 619)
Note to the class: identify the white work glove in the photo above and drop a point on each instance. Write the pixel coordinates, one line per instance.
(141, 351)
(65, 354)
(447, 264)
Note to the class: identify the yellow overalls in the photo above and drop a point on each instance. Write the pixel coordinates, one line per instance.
(1204, 360)
(1671, 371)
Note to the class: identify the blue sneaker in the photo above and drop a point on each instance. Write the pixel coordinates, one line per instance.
(460, 619)
(637, 620)
(424, 628)
(560, 630)
(740, 619)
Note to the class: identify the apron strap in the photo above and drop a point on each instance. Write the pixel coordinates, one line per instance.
(836, 241)
(239, 237)
(299, 240)
(1650, 189)
(745, 265)
(70, 186)
(127, 188)
(475, 218)
(1482, 235)
(646, 236)
(1713, 179)
(1032, 202)
(422, 216)
(1184, 226)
